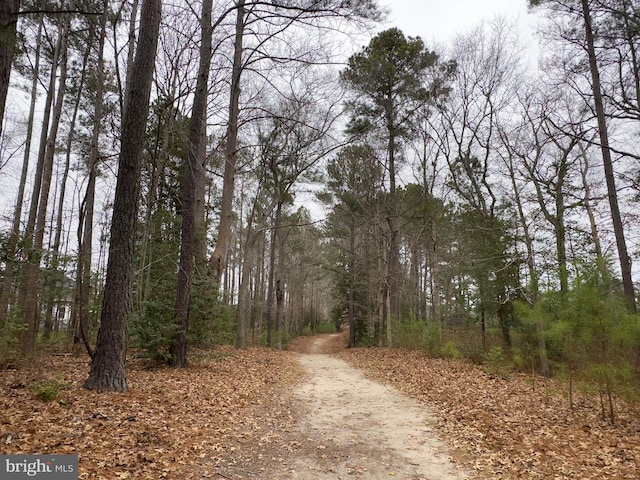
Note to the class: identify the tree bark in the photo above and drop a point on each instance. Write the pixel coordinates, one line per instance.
(8, 282)
(218, 260)
(178, 347)
(271, 272)
(394, 241)
(85, 225)
(55, 246)
(108, 368)
(351, 297)
(609, 174)
(130, 57)
(595, 235)
(31, 307)
(243, 311)
(8, 22)
(199, 213)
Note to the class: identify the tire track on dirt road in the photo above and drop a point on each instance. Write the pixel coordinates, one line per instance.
(354, 427)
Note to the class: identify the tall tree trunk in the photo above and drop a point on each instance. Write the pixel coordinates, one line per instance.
(218, 259)
(528, 240)
(533, 273)
(618, 226)
(394, 241)
(157, 166)
(7, 284)
(31, 307)
(199, 212)
(178, 347)
(280, 285)
(55, 247)
(271, 273)
(259, 287)
(131, 50)
(351, 297)
(382, 286)
(108, 368)
(243, 312)
(8, 22)
(85, 225)
(44, 131)
(586, 201)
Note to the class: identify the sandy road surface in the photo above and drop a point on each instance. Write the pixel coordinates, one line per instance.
(357, 428)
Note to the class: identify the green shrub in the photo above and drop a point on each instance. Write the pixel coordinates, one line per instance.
(449, 350)
(154, 330)
(494, 356)
(10, 345)
(48, 390)
(211, 322)
(432, 340)
(496, 364)
(591, 338)
(417, 334)
(326, 327)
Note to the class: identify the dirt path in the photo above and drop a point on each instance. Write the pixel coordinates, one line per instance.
(352, 427)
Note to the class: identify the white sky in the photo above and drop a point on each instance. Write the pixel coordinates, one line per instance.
(438, 21)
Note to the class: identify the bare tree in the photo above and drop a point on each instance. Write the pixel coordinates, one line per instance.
(580, 31)
(489, 67)
(269, 23)
(609, 174)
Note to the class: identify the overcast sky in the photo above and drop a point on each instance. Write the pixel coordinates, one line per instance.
(437, 21)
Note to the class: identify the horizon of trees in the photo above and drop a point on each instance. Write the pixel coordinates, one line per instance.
(474, 205)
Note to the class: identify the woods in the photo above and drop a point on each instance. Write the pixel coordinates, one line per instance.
(239, 172)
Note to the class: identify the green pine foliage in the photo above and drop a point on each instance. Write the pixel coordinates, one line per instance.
(211, 322)
(10, 344)
(49, 390)
(590, 336)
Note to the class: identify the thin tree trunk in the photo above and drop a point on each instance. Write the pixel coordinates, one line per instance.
(108, 368)
(178, 347)
(218, 260)
(7, 284)
(243, 311)
(85, 225)
(280, 285)
(199, 213)
(609, 174)
(143, 289)
(533, 274)
(131, 49)
(8, 21)
(31, 313)
(46, 117)
(383, 295)
(595, 236)
(394, 242)
(55, 247)
(352, 287)
(434, 288)
(271, 273)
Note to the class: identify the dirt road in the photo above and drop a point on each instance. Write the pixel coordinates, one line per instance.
(352, 427)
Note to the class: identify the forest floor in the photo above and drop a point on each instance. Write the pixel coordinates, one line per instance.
(316, 411)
